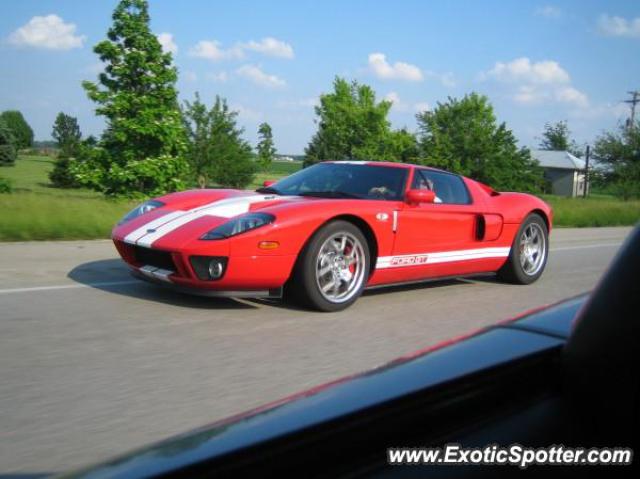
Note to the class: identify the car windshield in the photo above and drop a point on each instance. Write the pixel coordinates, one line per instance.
(344, 180)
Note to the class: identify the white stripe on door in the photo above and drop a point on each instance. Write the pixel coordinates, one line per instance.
(419, 259)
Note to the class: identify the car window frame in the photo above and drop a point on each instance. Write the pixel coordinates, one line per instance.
(418, 170)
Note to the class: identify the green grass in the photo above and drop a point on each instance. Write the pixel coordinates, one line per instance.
(36, 211)
(596, 210)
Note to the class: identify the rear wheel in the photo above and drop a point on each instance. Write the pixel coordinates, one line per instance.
(333, 268)
(529, 252)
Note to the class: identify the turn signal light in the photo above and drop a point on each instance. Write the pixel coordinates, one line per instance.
(268, 244)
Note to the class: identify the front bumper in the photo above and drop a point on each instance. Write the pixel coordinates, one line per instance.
(274, 293)
(244, 276)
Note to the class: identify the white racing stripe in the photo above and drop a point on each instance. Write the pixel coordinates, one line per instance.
(420, 259)
(164, 225)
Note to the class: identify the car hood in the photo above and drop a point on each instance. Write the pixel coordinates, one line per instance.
(190, 214)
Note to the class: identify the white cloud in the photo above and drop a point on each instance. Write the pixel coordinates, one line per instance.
(522, 69)
(211, 50)
(167, 43)
(398, 71)
(619, 27)
(218, 77)
(49, 32)
(246, 113)
(548, 11)
(572, 96)
(269, 46)
(421, 106)
(396, 103)
(537, 82)
(190, 76)
(257, 76)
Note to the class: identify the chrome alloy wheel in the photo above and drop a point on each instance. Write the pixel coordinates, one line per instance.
(340, 267)
(533, 249)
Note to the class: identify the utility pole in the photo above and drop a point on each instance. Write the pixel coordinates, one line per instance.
(635, 99)
(586, 172)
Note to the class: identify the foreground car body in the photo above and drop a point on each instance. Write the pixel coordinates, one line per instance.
(328, 231)
(565, 374)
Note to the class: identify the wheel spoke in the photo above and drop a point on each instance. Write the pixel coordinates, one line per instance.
(329, 285)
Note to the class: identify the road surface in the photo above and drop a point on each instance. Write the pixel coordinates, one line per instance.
(93, 363)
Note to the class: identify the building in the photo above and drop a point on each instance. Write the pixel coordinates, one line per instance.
(564, 171)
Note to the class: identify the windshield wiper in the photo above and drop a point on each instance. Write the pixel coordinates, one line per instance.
(330, 194)
(268, 190)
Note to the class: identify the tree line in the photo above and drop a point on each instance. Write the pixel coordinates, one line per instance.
(152, 144)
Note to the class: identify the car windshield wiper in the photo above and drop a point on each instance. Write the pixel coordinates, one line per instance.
(330, 194)
(268, 190)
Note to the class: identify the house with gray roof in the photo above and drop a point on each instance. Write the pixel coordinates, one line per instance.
(564, 171)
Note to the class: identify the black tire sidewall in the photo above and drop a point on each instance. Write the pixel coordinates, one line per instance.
(307, 265)
(514, 256)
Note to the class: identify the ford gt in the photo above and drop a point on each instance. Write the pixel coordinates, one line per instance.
(324, 234)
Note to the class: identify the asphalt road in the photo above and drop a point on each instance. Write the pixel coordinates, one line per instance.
(93, 363)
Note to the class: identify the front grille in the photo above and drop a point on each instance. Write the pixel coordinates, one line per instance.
(154, 257)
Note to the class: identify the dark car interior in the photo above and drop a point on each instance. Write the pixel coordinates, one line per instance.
(566, 375)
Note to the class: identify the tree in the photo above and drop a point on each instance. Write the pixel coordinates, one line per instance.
(266, 148)
(143, 147)
(557, 136)
(66, 132)
(21, 130)
(352, 125)
(619, 152)
(217, 153)
(463, 136)
(7, 145)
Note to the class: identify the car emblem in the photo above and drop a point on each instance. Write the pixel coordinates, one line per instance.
(151, 230)
(382, 216)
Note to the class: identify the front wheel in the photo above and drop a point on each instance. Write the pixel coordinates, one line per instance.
(333, 268)
(529, 252)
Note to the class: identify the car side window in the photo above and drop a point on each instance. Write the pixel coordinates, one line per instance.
(448, 188)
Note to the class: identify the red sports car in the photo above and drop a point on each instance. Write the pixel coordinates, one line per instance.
(323, 234)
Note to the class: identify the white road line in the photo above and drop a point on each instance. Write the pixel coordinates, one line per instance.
(586, 246)
(122, 283)
(68, 286)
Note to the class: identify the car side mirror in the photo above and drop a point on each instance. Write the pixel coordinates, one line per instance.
(420, 196)
(268, 183)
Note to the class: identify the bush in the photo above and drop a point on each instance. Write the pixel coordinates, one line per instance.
(8, 151)
(61, 176)
(5, 185)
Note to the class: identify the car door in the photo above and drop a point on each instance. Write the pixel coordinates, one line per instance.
(440, 238)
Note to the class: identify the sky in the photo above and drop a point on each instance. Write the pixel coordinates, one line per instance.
(537, 62)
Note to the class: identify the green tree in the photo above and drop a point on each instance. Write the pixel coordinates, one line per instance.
(266, 147)
(21, 130)
(619, 152)
(463, 136)
(557, 136)
(353, 125)
(8, 152)
(66, 132)
(143, 147)
(217, 152)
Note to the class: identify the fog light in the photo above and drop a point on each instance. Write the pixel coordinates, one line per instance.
(216, 268)
(209, 268)
(268, 244)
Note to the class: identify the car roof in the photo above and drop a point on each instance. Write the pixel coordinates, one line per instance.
(385, 163)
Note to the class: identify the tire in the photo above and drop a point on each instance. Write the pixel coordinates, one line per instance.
(332, 269)
(524, 267)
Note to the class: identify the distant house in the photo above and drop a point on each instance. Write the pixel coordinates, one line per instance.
(563, 171)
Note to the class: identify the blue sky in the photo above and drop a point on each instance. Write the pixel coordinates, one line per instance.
(537, 61)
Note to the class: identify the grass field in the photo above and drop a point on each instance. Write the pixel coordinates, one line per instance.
(36, 211)
(596, 210)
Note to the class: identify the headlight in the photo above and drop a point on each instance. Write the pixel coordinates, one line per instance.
(141, 209)
(247, 222)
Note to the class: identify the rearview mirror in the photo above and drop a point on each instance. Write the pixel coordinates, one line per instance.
(420, 196)
(268, 182)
